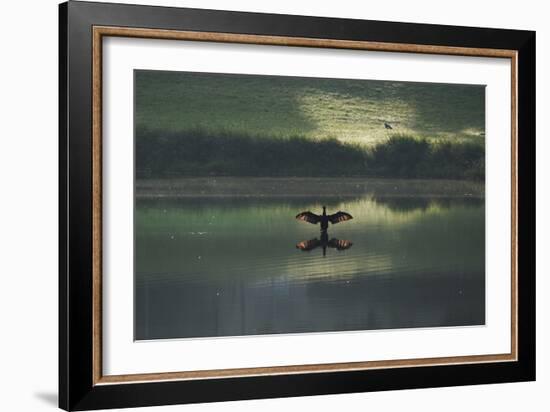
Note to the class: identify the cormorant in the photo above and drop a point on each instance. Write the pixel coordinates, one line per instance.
(324, 218)
(387, 125)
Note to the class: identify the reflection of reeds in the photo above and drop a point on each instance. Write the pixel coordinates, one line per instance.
(184, 215)
(411, 204)
(201, 153)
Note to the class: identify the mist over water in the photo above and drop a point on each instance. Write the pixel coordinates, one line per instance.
(228, 265)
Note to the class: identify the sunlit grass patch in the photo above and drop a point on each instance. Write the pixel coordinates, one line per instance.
(349, 110)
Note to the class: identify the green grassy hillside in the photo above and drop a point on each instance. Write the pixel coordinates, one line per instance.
(351, 111)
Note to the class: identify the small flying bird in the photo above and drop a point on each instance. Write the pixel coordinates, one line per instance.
(387, 125)
(324, 218)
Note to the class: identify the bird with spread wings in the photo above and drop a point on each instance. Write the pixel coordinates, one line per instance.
(324, 219)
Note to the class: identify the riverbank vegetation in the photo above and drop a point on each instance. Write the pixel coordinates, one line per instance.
(202, 153)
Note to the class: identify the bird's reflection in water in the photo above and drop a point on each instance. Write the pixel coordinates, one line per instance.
(324, 243)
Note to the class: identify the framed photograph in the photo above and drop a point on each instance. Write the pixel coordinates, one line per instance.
(257, 205)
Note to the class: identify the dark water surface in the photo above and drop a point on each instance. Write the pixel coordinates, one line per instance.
(226, 266)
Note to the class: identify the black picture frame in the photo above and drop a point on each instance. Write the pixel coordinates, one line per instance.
(77, 390)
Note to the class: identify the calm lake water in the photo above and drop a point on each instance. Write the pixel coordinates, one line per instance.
(229, 265)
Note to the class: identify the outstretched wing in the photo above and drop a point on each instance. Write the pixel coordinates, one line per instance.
(307, 245)
(308, 217)
(340, 244)
(339, 217)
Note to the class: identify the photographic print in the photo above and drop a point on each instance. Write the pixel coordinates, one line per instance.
(260, 205)
(274, 204)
